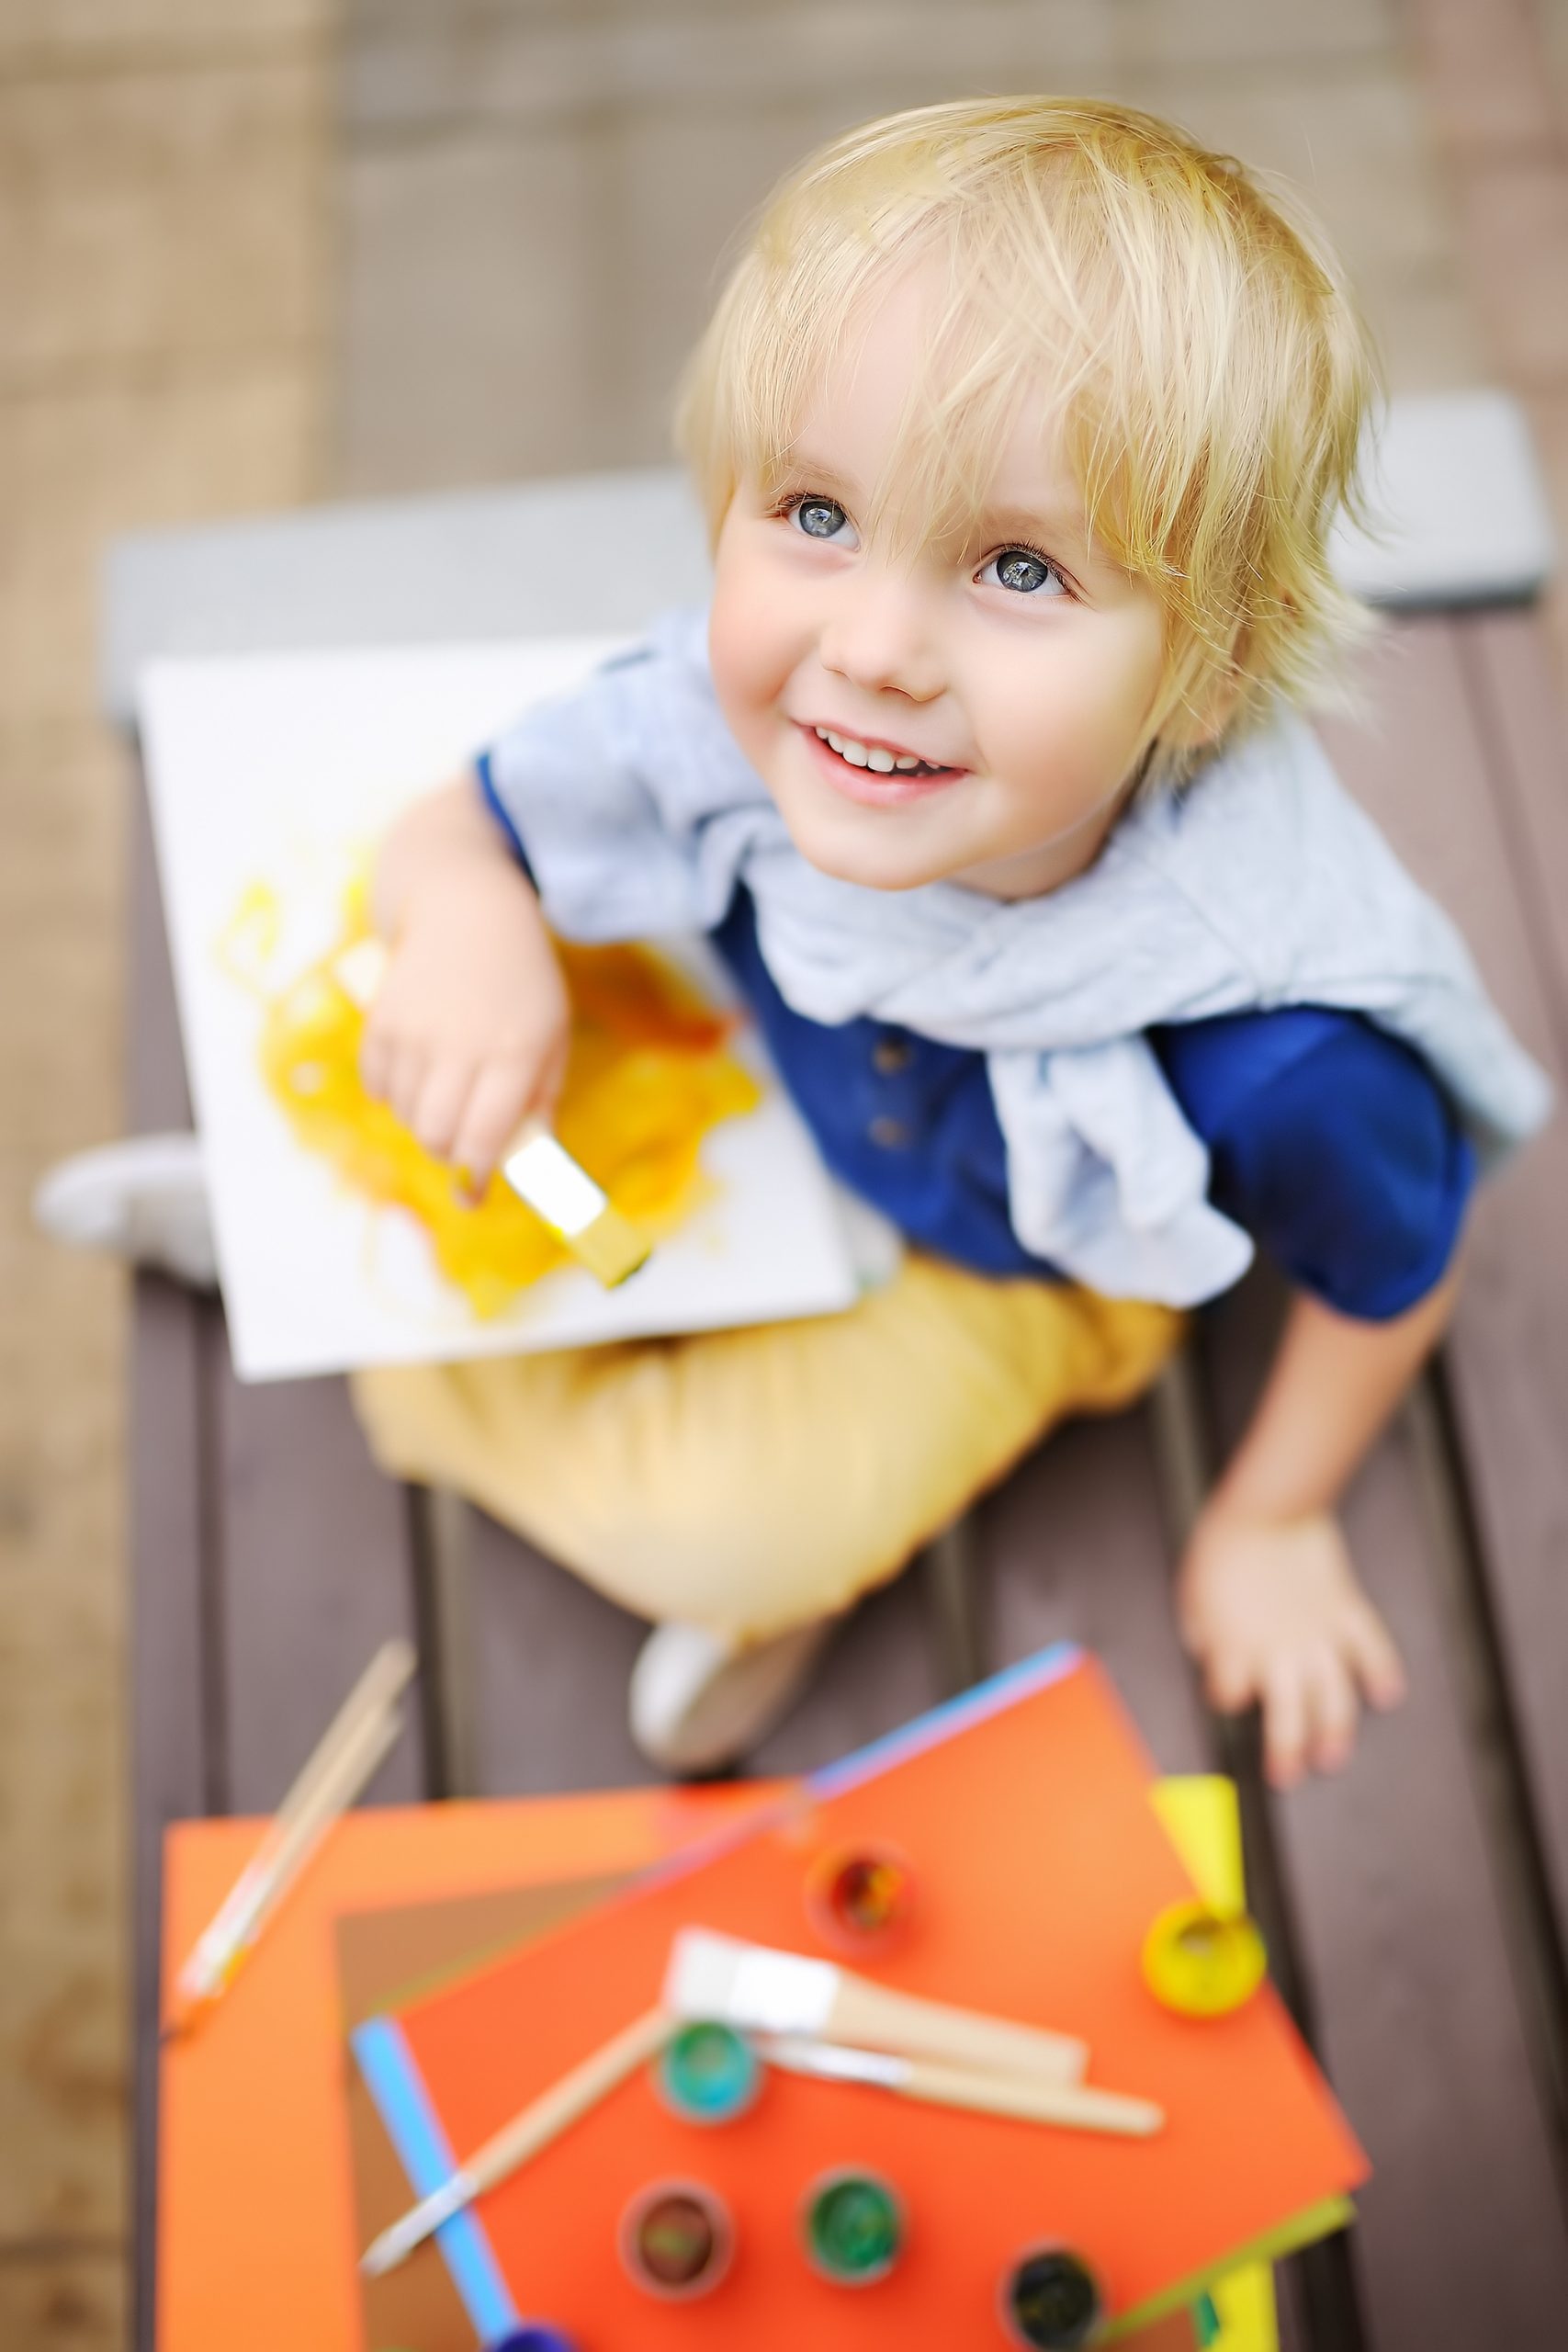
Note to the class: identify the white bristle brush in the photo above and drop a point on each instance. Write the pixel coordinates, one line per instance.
(759, 1990)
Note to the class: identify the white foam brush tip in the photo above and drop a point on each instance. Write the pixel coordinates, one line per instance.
(759, 1990)
(748, 1985)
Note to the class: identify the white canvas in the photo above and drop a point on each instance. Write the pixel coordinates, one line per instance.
(277, 768)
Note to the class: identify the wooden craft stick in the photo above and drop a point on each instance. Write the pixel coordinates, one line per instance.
(1075, 2105)
(344, 1760)
(517, 2142)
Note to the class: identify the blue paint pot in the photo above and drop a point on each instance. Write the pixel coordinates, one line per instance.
(530, 2338)
(708, 2073)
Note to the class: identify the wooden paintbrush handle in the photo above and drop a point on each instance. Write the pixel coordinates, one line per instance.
(1071, 2104)
(518, 2142)
(870, 2015)
(335, 1779)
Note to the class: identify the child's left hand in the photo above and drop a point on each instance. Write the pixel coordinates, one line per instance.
(1272, 1610)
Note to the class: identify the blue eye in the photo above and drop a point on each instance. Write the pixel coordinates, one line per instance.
(1025, 572)
(821, 518)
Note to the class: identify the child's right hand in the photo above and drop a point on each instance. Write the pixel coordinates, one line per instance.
(468, 1032)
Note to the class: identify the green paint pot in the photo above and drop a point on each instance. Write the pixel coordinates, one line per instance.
(708, 2073)
(853, 2227)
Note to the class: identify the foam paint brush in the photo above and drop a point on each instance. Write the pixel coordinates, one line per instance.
(759, 1990)
(538, 1167)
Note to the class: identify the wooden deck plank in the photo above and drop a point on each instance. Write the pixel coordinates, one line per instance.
(1075, 1548)
(315, 1574)
(1507, 1355)
(884, 1666)
(1407, 1973)
(1445, 801)
(1506, 658)
(549, 1659)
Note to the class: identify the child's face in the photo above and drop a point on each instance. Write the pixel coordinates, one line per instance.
(1021, 666)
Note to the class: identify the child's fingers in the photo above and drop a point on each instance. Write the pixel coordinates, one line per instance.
(1284, 1724)
(1331, 1709)
(491, 1117)
(444, 1091)
(1377, 1663)
(551, 1076)
(409, 1063)
(374, 1062)
(1229, 1682)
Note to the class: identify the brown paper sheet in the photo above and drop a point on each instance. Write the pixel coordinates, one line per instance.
(384, 1958)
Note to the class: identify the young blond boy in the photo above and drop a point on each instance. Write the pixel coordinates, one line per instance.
(1019, 427)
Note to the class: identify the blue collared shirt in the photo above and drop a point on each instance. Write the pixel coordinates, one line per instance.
(1330, 1141)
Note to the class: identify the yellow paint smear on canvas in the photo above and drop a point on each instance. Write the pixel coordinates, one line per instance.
(649, 1076)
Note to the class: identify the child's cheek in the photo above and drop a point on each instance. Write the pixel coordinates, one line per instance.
(738, 650)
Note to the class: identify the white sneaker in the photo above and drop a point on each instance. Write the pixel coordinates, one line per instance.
(144, 1199)
(698, 1701)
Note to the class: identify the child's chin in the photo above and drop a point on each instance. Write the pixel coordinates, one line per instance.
(874, 866)
(876, 852)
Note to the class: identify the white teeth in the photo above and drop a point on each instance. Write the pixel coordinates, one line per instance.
(868, 755)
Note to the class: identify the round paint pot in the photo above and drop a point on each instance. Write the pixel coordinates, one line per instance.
(1051, 2301)
(676, 2240)
(707, 2073)
(531, 2339)
(853, 2225)
(859, 1898)
(1201, 1963)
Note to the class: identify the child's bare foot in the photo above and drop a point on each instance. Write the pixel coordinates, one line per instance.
(1272, 1611)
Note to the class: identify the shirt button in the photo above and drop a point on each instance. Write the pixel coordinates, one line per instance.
(890, 1054)
(891, 1133)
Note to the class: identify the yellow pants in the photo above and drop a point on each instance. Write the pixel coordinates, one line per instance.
(751, 1480)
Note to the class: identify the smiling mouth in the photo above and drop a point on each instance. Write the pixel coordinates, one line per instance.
(898, 780)
(878, 759)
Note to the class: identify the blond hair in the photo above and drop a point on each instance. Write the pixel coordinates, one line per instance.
(1198, 350)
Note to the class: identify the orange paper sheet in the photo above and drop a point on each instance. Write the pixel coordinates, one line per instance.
(1041, 1862)
(255, 2246)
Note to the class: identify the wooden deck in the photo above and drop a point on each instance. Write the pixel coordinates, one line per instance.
(1416, 1907)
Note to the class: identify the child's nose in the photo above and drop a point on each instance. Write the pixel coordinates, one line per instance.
(880, 634)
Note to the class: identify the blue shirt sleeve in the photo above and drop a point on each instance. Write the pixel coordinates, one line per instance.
(587, 782)
(1332, 1144)
(499, 810)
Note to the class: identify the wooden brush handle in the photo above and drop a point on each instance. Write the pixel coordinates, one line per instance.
(879, 2019)
(565, 2102)
(336, 1775)
(1072, 2104)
